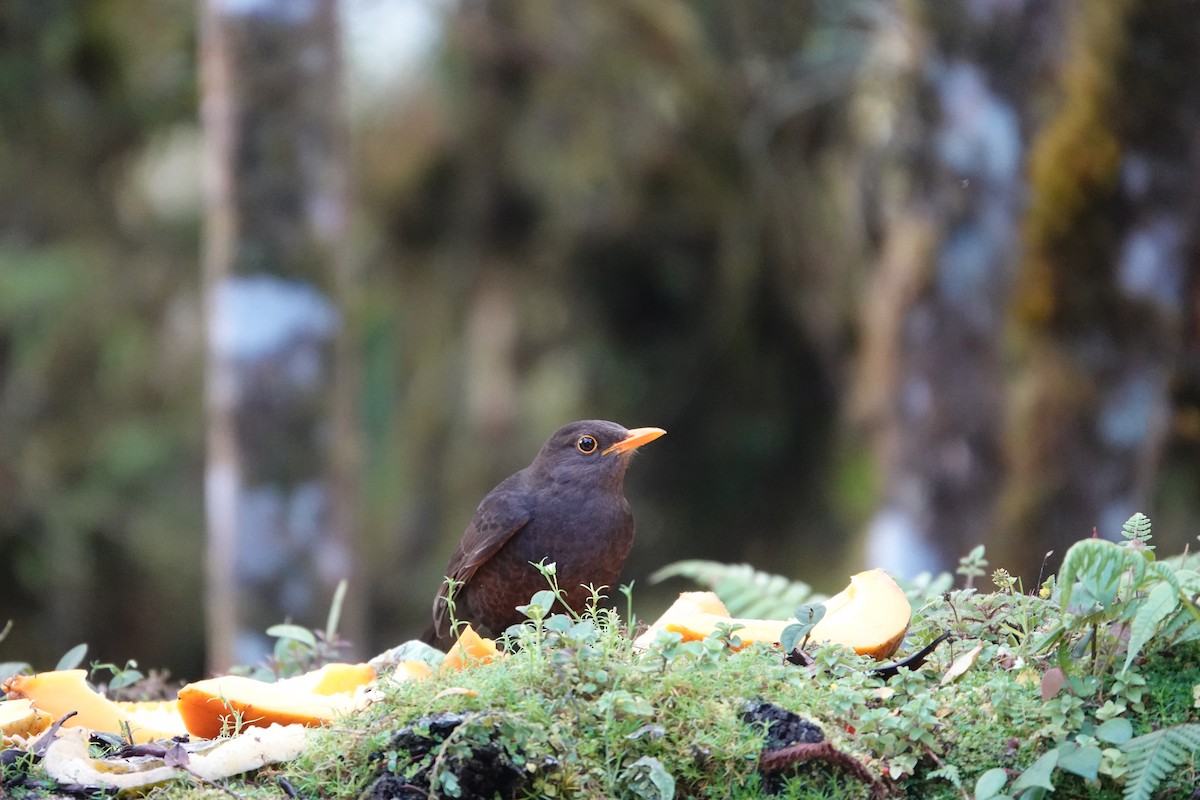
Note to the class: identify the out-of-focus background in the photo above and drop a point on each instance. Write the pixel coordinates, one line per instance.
(287, 285)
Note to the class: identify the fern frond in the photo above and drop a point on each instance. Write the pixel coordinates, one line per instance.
(1137, 529)
(1099, 566)
(1157, 606)
(1155, 755)
(745, 591)
(950, 773)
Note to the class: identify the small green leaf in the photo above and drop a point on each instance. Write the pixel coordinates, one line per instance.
(1081, 760)
(1084, 685)
(72, 658)
(807, 617)
(559, 623)
(1117, 730)
(810, 613)
(1091, 574)
(126, 677)
(1049, 639)
(973, 564)
(584, 629)
(990, 783)
(1039, 773)
(662, 781)
(1158, 605)
(791, 636)
(624, 702)
(449, 783)
(293, 632)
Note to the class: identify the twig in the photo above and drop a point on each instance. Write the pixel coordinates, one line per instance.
(942, 765)
(44, 741)
(788, 757)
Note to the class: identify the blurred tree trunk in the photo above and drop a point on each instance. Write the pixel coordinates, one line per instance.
(931, 383)
(1108, 287)
(280, 443)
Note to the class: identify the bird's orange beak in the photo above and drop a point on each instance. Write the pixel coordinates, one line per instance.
(633, 440)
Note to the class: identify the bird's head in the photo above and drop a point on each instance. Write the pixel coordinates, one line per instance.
(594, 450)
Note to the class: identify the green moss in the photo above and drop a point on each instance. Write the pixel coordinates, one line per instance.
(596, 707)
(1171, 681)
(1071, 226)
(581, 714)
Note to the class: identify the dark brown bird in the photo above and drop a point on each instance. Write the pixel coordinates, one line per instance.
(567, 507)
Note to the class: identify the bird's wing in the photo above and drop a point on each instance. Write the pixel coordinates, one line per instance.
(501, 514)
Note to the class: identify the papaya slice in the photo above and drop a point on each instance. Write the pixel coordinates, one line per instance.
(231, 703)
(700, 625)
(871, 615)
(688, 606)
(21, 718)
(411, 671)
(60, 692)
(335, 678)
(471, 649)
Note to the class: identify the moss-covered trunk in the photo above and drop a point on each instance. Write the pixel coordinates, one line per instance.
(1106, 318)
(931, 381)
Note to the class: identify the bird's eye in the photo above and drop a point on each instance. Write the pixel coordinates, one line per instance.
(586, 445)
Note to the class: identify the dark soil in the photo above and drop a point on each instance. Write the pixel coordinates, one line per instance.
(479, 765)
(784, 728)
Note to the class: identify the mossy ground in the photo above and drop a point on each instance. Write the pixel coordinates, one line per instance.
(595, 708)
(577, 712)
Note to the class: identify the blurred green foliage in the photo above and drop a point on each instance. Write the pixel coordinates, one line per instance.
(101, 431)
(574, 214)
(654, 211)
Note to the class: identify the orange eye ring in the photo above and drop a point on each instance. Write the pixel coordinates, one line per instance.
(587, 445)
